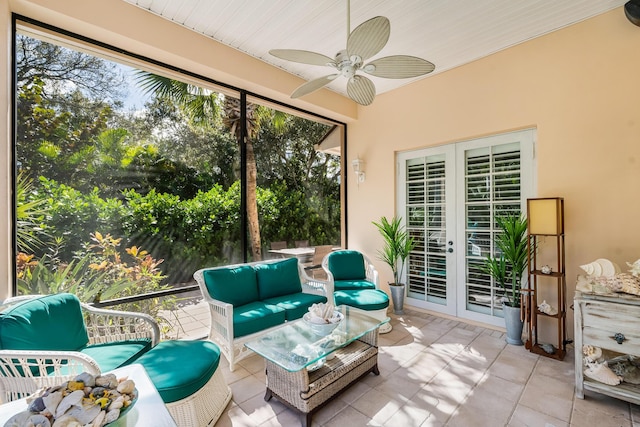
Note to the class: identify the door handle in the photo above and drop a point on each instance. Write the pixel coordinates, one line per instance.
(450, 250)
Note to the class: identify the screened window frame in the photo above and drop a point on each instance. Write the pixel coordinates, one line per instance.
(30, 27)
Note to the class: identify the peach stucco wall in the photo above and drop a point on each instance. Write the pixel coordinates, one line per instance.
(579, 87)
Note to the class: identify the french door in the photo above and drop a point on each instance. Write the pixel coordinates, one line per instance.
(449, 197)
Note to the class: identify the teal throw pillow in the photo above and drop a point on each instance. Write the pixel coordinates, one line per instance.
(278, 278)
(346, 265)
(233, 285)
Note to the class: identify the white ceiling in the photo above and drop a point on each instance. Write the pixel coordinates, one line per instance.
(448, 33)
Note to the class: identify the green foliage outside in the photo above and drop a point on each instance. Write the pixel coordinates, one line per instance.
(112, 203)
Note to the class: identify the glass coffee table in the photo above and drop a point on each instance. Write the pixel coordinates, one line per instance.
(305, 370)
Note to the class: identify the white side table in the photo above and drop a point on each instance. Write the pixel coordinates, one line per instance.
(149, 409)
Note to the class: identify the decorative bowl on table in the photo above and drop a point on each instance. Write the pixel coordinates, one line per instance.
(322, 319)
(85, 400)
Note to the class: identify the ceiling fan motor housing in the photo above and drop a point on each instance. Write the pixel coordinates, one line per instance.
(632, 11)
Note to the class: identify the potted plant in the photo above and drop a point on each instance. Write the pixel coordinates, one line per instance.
(397, 247)
(507, 267)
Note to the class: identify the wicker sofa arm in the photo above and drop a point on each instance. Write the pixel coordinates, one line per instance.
(25, 371)
(311, 285)
(105, 326)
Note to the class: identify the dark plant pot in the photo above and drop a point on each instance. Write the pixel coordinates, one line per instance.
(513, 324)
(397, 296)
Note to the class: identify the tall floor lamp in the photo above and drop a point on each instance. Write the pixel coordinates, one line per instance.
(545, 217)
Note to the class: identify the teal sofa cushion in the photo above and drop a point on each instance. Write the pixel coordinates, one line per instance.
(255, 317)
(115, 354)
(296, 305)
(278, 278)
(343, 285)
(365, 299)
(233, 285)
(346, 265)
(178, 369)
(51, 322)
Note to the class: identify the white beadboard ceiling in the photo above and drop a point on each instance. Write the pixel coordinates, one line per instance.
(448, 33)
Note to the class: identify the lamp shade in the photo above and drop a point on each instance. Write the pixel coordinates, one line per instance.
(546, 216)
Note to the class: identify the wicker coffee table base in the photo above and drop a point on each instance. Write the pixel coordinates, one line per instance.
(306, 391)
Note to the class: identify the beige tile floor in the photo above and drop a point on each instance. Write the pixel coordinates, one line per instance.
(438, 372)
(433, 372)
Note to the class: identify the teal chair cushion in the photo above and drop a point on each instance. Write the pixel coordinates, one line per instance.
(113, 355)
(346, 265)
(343, 285)
(278, 278)
(51, 322)
(255, 317)
(364, 299)
(178, 369)
(233, 285)
(296, 305)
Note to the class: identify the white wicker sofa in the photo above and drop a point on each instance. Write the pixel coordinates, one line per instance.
(248, 300)
(46, 340)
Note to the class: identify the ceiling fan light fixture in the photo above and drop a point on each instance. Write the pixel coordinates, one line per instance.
(367, 40)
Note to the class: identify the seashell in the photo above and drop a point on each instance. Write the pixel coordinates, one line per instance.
(622, 282)
(591, 353)
(126, 386)
(66, 421)
(37, 405)
(107, 381)
(545, 308)
(548, 348)
(86, 378)
(601, 267)
(116, 405)
(99, 420)
(68, 401)
(85, 413)
(635, 268)
(18, 420)
(38, 420)
(322, 311)
(112, 416)
(601, 373)
(51, 401)
(625, 368)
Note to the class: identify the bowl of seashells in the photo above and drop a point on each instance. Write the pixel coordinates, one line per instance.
(87, 400)
(322, 318)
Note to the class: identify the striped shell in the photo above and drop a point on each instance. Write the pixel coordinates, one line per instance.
(601, 372)
(601, 267)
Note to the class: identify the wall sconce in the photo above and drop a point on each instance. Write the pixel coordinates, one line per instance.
(358, 168)
(546, 216)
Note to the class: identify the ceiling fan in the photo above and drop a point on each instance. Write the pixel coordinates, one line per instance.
(364, 42)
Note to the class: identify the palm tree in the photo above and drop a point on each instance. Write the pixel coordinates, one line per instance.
(202, 107)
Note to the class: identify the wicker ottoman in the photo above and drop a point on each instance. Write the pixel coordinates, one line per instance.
(187, 377)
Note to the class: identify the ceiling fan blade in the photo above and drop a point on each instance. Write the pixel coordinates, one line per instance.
(313, 85)
(302, 56)
(398, 67)
(369, 37)
(361, 90)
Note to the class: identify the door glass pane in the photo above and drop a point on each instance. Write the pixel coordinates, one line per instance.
(426, 222)
(492, 187)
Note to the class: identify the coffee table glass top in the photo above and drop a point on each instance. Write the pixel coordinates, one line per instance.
(295, 346)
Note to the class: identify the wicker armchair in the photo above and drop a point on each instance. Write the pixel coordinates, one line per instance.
(354, 281)
(25, 371)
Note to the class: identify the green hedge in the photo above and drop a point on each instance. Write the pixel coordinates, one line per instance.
(186, 234)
